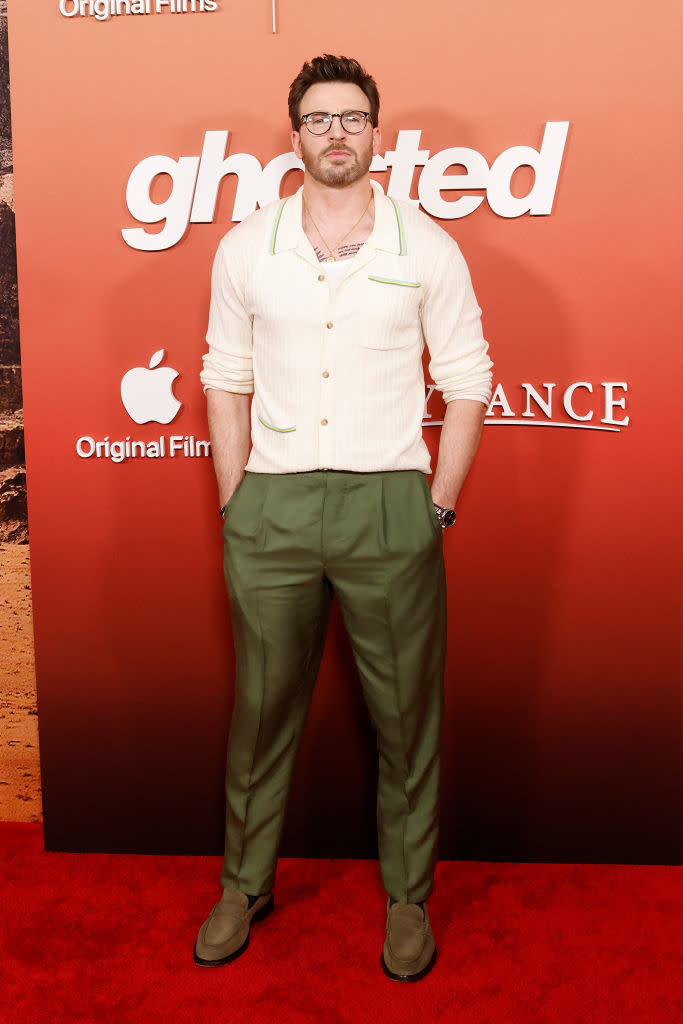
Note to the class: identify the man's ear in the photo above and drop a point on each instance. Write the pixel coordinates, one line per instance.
(376, 140)
(296, 144)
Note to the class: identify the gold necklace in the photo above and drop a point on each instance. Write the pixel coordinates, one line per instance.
(332, 258)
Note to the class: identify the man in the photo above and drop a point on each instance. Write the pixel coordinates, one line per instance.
(319, 306)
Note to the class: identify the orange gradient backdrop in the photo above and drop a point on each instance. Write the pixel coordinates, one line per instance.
(562, 738)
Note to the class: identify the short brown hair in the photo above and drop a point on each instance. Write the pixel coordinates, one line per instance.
(332, 69)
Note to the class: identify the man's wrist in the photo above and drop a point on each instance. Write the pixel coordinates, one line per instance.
(444, 498)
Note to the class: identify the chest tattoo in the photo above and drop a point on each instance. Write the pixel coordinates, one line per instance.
(344, 252)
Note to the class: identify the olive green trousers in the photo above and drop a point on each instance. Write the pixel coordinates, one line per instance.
(292, 541)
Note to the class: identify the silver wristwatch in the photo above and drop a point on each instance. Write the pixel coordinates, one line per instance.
(446, 516)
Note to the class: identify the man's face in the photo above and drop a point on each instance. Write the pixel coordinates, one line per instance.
(337, 158)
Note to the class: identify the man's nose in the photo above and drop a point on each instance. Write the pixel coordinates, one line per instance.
(337, 128)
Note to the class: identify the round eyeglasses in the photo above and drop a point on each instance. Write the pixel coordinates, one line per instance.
(319, 122)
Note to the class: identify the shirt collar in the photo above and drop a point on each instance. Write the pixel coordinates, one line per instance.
(387, 234)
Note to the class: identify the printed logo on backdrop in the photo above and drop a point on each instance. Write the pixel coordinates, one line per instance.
(195, 182)
(147, 392)
(578, 405)
(147, 396)
(103, 10)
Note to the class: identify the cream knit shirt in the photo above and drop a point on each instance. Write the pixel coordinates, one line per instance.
(337, 376)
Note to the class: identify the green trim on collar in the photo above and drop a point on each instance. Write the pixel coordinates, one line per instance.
(401, 232)
(273, 239)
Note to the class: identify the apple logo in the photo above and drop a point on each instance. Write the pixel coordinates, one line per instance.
(147, 394)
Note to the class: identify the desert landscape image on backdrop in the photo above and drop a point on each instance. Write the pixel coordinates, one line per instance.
(20, 795)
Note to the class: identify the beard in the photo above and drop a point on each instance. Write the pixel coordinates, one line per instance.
(338, 175)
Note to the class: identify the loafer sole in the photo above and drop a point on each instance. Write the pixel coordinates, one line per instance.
(408, 977)
(260, 915)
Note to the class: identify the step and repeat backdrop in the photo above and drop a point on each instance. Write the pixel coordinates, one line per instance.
(543, 139)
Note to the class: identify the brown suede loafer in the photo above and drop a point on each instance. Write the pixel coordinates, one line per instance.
(409, 951)
(225, 934)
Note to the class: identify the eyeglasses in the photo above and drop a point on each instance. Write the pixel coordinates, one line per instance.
(319, 122)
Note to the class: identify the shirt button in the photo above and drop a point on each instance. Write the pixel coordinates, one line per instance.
(323, 423)
(325, 373)
(321, 277)
(330, 324)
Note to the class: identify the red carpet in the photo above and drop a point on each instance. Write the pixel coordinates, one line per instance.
(100, 938)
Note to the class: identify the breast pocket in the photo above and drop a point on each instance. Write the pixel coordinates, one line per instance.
(391, 312)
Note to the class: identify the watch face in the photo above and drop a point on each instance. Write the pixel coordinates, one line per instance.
(448, 516)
